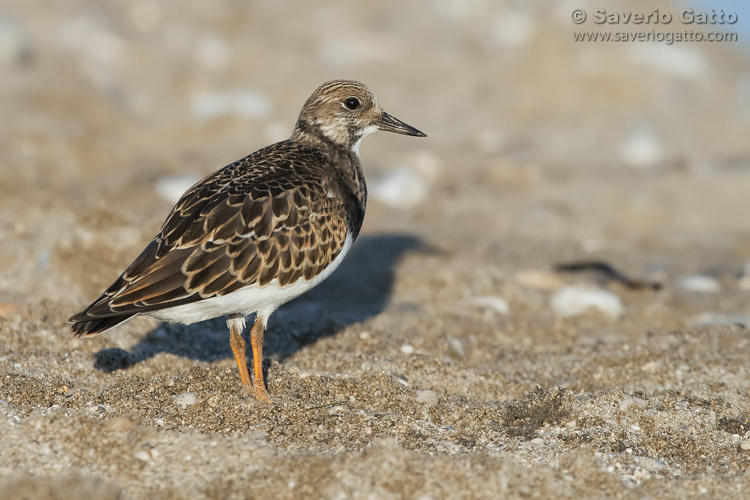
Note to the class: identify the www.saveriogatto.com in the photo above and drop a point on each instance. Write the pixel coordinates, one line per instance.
(687, 25)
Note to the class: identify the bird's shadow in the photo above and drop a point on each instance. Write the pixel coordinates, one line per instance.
(359, 289)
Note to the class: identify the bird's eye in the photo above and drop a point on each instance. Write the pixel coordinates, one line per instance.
(352, 103)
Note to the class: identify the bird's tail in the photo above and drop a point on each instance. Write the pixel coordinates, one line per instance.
(85, 326)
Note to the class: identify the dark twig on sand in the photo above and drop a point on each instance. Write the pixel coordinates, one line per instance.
(608, 272)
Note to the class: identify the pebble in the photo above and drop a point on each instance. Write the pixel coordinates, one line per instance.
(402, 188)
(185, 399)
(91, 407)
(118, 424)
(641, 149)
(143, 456)
(745, 445)
(650, 464)
(537, 441)
(575, 300)
(649, 367)
(457, 346)
(540, 280)
(718, 319)
(407, 349)
(628, 402)
(497, 304)
(244, 103)
(172, 187)
(699, 283)
(427, 397)
(401, 379)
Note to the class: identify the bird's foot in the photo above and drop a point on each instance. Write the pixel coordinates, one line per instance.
(258, 392)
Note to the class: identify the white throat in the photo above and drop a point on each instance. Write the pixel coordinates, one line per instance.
(365, 132)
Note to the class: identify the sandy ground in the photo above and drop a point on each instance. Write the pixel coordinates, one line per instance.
(446, 358)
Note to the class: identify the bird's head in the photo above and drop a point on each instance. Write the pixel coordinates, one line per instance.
(345, 112)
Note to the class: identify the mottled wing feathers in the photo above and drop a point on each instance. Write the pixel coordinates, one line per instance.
(268, 217)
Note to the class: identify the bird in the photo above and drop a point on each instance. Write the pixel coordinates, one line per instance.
(258, 232)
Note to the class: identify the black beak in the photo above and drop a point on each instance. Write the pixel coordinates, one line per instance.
(389, 123)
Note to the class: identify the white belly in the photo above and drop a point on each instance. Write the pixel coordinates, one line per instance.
(251, 299)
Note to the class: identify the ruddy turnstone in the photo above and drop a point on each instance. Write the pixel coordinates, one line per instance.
(259, 232)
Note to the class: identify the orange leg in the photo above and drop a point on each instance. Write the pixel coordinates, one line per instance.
(256, 341)
(237, 343)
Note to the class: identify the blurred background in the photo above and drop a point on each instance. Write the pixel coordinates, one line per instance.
(111, 109)
(446, 339)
